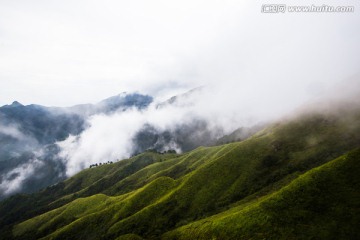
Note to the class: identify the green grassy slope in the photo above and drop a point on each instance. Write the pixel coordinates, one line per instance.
(86, 183)
(88, 212)
(151, 194)
(323, 203)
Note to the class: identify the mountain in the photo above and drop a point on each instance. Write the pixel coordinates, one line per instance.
(48, 124)
(31, 154)
(29, 157)
(323, 203)
(294, 179)
(183, 136)
(240, 134)
(185, 99)
(119, 102)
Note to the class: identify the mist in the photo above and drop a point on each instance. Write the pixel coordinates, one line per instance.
(253, 68)
(13, 181)
(203, 114)
(110, 137)
(65, 54)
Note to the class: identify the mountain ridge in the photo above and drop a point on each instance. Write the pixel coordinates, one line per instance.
(157, 193)
(37, 134)
(30, 132)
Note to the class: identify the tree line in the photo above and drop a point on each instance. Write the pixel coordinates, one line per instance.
(100, 164)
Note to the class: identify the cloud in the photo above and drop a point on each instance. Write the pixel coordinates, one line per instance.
(110, 137)
(13, 180)
(16, 141)
(87, 51)
(12, 131)
(107, 139)
(255, 66)
(204, 112)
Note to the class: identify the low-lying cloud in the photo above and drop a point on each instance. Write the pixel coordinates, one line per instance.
(110, 137)
(200, 114)
(107, 138)
(255, 66)
(12, 131)
(13, 180)
(214, 110)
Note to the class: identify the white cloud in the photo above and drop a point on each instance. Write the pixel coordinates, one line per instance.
(13, 180)
(255, 66)
(110, 137)
(90, 50)
(107, 139)
(12, 131)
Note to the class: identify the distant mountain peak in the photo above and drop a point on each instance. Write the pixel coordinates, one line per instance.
(128, 99)
(182, 98)
(16, 104)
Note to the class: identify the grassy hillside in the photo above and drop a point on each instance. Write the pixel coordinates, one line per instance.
(21, 207)
(233, 188)
(323, 203)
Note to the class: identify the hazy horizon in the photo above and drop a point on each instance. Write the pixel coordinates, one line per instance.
(62, 54)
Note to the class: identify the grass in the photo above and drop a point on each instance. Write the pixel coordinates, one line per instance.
(86, 183)
(323, 203)
(241, 190)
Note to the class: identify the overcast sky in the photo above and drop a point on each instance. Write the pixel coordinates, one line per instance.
(61, 53)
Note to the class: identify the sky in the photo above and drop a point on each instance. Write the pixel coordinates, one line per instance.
(62, 53)
(253, 66)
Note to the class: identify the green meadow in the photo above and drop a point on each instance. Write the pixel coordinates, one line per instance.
(297, 178)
